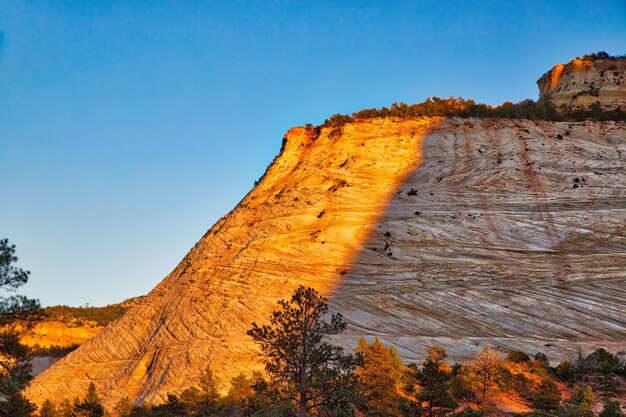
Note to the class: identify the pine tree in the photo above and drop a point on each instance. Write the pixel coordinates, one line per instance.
(16, 311)
(209, 386)
(612, 409)
(433, 379)
(379, 377)
(581, 402)
(547, 397)
(294, 347)
(90, 406)
(240, 391)
(48, 409)
(123, 407)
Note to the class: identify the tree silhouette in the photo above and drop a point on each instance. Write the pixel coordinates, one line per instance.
(17, 312)
(295, 351)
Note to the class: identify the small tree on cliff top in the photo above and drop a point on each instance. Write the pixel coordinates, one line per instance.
(294, 347)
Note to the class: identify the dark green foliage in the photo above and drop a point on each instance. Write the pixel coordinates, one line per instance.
(603, 361)
(541, 357)
(337, 389)
(268, 399)
(48, 409)
(123, 407)
(607, 384)
(581, 402)
(538, 414)
(54, 351)
(611, 409)
(171, 408)
(433, 380)
(16, 311)
(542, 109)
(16, 405)
(294, 348)
(601, 55)
(239, 392)
(547, 397)
(76, 316)
(203, 399)
(90, 406)
(517, 357)
(566, 371)
(460, 384)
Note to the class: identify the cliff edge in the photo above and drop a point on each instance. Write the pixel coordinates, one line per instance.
(453, 231)
(583, 82)
(456, 232)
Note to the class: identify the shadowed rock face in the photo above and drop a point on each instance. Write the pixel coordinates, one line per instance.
(511, 233)
(459, 232)
(581, 83)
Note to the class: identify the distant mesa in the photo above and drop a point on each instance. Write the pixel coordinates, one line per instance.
(584, 81)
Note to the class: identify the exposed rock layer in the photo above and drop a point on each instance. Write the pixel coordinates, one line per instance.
(509, 233)
(581, 83)
(303, 224)
(55, 333)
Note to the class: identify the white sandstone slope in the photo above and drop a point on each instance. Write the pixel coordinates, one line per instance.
(459, 232)
(303, 224)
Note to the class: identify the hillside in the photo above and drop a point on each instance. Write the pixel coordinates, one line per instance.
(455, 231)
(66, 328)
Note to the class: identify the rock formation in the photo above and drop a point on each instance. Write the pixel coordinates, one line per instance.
(459, 232)
(56, 333)
(583, 82)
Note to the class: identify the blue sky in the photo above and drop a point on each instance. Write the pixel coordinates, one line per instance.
(128, 128)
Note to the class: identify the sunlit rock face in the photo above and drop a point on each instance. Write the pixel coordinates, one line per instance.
(54, 333)
(305, 223)
(459, 232)
(581, 83)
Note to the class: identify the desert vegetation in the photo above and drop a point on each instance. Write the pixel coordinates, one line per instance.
(87, 316)
(306, 375)
(542, 109)
(458, 107)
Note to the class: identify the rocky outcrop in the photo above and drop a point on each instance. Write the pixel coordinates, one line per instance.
(581, 83)
(55, 333)
(459, 232)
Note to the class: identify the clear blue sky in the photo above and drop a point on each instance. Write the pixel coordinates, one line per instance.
(128, 128)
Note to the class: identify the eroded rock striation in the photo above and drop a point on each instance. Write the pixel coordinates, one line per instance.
(303, 224)
(457, 232)
(583, 82)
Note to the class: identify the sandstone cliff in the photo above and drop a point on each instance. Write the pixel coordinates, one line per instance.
(581, 83)
(453, 231)
(56, 333)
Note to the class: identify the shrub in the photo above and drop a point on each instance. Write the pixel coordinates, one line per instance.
(517, 356)
(611, 409)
